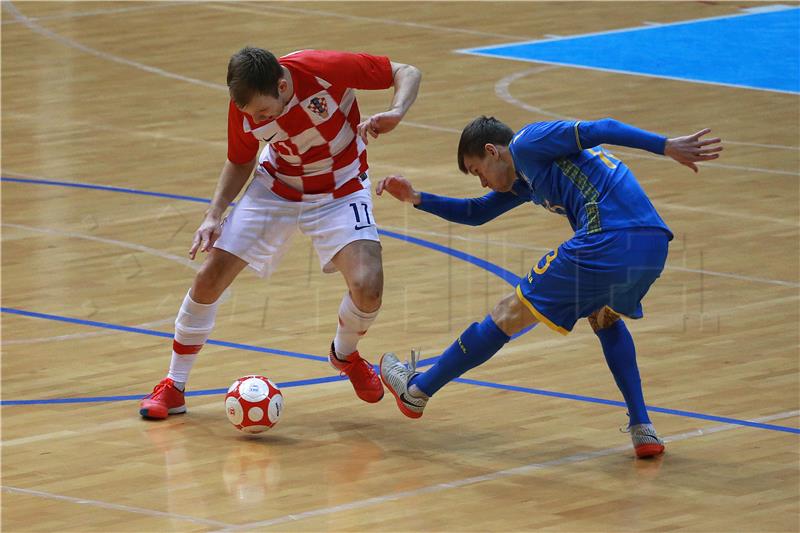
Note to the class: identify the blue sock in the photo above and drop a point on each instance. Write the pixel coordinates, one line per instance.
(621, 358)
(476, 345)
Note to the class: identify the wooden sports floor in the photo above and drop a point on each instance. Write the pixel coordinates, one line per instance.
(113, 131)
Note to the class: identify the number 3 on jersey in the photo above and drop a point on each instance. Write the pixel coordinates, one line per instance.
(367, 218)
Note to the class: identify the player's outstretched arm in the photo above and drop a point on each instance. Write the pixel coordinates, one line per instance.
(469, 211)
(690, 149)
(406, 86)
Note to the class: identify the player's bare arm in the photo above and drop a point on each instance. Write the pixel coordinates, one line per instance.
(689, 149)
(400, 188)
(231, 180)
(406, 87)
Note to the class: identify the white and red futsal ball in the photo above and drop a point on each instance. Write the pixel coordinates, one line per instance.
(253, 404)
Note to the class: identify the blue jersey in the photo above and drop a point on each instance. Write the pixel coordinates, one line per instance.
(561, 167)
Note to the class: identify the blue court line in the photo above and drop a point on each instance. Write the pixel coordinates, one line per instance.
(206, 392)
(328, 379)
(494, 269)
(651, 408)
(154, 333)
(500, 272)
(105, 188)
(757, 49)
(506, 275)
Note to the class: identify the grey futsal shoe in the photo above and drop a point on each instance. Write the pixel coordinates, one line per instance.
(396, 375)
(646, 441)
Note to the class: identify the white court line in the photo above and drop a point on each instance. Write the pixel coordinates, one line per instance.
(370, 502)
(85, 335)
(317, 13)
(123, 244)
(636, 155)
(69, 42)
(502, 90)
(106, 427)
(115, 507)
(493, 476)
(81, 14)
(510, 244)
(36, 28)
(150, 135)
(29, 22)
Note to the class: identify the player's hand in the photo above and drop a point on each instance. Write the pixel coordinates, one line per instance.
(206, 235)
(400, 188)
(378, 124)
(690, 149)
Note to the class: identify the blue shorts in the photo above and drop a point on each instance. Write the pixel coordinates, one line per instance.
(588, 272)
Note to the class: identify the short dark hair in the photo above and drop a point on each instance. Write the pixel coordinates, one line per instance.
(253, 71)
(477, 133)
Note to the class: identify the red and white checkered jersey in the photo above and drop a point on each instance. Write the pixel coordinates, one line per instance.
(312, 147)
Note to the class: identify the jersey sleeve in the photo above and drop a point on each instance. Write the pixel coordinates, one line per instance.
(348, 69)
(610, 131)
(470, 211)
(553, 140)
(242, 146)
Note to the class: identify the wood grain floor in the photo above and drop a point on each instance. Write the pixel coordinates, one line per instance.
(129, 95)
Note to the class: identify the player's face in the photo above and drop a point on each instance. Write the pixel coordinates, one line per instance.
(493, 171)
(265, 108)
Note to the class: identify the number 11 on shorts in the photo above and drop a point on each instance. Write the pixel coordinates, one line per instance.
(358, 217)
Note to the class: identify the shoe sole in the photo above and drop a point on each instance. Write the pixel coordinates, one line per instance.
(403, 409)
(145, 412)
(649, 450)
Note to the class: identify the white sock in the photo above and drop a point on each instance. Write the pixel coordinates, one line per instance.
(353, 324)
(192, 328)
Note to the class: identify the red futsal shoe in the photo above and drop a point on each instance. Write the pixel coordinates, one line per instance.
(165, 400)
(362, 376)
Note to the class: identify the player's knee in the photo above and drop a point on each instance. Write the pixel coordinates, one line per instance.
(603, 318)
(208, 285)
(511, 316)
(366, 288)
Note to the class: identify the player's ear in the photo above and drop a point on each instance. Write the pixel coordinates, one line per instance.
(283, 85)
(490, 149)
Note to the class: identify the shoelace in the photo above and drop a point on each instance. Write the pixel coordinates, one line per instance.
(412, 366)
(360, 367)
(626, 428)
(158, 388)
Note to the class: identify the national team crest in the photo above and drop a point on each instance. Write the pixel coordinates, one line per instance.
(319, 106)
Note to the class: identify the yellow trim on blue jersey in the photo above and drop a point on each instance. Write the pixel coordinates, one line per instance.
(587, 189)
(598, 152)
(539, 315)
(592, 217)
(578, 137)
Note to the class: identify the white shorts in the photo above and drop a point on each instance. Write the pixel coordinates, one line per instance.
(259, 227)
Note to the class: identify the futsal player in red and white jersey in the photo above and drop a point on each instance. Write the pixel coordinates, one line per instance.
(311, 174)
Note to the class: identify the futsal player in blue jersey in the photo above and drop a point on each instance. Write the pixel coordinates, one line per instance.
(602, 273)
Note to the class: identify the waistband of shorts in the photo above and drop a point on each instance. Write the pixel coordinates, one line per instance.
(293, 195)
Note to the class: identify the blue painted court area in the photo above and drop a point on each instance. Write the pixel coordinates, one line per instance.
(758, 49)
